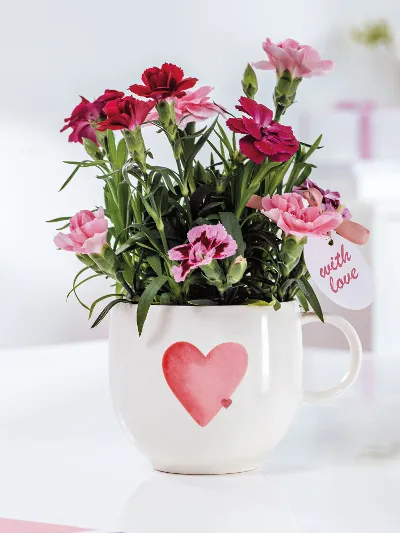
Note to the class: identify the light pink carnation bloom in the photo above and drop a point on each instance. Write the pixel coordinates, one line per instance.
(195, 106)
(206, 242)
(289, 214)
(88, 233)
(303, 61)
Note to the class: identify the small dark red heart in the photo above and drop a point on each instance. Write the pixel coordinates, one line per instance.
(226, 403)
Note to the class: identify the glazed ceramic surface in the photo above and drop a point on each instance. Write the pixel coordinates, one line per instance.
(209, 390)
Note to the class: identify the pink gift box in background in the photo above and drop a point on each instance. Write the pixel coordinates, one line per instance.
(353, 131)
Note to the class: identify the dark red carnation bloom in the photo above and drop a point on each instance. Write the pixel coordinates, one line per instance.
(263, 136)
(160, 83)
(84, 113)
(109, 94)
(125, 113)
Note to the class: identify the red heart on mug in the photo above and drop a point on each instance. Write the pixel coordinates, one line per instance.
(201, 383)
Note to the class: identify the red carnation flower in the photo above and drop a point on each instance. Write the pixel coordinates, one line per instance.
(263, 136)
(87, 112)
(160, 83)
(125, 113)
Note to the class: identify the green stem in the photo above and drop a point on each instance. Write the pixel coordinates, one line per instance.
(189, 211)
(125, 285)
(292, 178)
(180, 170)
(280, 109)
(161, 231)
(109, 184)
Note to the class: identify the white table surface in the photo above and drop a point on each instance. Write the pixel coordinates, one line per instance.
(64, 458)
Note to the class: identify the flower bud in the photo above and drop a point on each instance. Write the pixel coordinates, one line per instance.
(100, 135)
(292, 247)
(107, 261)
(236, 270)
(285, 89)
(87, 261)
(249, 82)
(135, 143)
(167, 117)
(213, 273)
(91, 148)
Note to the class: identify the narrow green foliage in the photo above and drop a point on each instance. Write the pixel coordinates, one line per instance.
(147, 299)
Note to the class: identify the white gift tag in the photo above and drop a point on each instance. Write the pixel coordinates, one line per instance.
(340, 271)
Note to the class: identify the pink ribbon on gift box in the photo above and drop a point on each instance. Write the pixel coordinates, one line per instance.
(364, 110)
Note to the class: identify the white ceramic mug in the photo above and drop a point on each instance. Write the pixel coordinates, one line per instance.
(211, 390)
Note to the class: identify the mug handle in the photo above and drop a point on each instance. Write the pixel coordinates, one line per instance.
(355, 357)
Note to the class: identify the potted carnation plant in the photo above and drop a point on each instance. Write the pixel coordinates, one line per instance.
(206, 261)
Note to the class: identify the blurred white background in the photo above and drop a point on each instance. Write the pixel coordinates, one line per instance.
(53, 51)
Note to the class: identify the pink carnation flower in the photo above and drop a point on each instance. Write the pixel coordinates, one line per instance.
(195, 106)
(289, 214)
(88, 233)
(302, 61)
(206, 242)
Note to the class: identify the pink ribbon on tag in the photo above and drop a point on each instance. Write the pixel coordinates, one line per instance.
(349, 230)
(364, 110)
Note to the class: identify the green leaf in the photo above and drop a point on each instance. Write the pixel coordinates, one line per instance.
(224, 138)
(209, 207)
(179, 208)
(156, 181)
(151, 235)
(69, 178)
(309, 293)
(260, 303)
(165, 298)
(112, 149)
(124, 195)
(303, 301)
(113, 295)
(59, 219)
(155, 263)
(198, 198)
(219, 154)
(279, 175)
(312, 149)
(197, 147)
(192, 135)
(201, 302)
(86, 163)
(200, 174)
(152, 212)
(232, 226)
(305, 173)
(114, 212)
(130, 242)
(122, 153)
(63, 227)
(73, 287)
(168, 182)
(82, 282)
(108, 307)
(147, 299)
